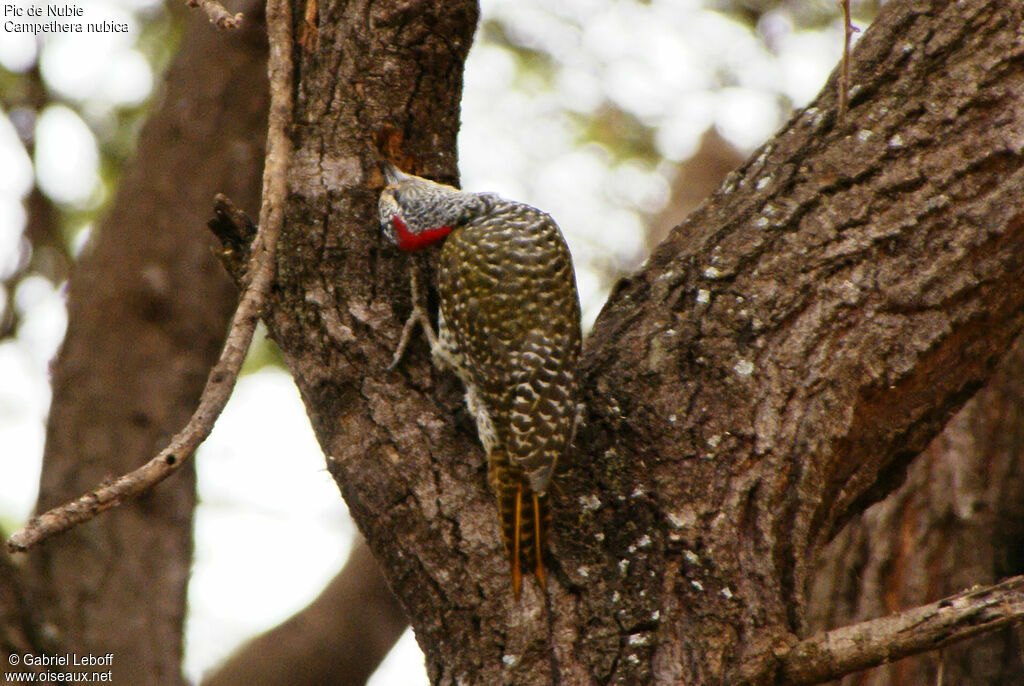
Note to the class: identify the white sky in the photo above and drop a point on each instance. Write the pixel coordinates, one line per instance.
(658, 59)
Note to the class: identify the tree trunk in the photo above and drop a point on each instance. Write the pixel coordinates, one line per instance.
(796, 343)
(148, 308)
(957, 521)
(769, 373)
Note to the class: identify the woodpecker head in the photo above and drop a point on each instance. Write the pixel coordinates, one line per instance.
(415, 212)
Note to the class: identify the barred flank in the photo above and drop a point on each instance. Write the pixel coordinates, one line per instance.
(525, 519)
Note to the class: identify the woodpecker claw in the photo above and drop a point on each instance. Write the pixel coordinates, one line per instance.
(417, 316)
(403, 342)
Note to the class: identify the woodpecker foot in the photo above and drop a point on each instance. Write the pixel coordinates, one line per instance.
(417, 316)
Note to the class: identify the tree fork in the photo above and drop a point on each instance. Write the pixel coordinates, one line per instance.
(769, 372)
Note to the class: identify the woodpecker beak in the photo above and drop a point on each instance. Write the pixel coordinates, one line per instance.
(393, 174)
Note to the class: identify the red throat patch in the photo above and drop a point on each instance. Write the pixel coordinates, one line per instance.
(414, 241)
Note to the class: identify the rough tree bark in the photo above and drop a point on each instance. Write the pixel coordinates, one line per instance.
(148, 307)
(846, 290)
(769, 373)
(958, 520)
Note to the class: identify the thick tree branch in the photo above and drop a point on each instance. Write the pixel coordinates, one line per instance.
(224, 374)
(929, 627)
(803, 335)
(340, 638)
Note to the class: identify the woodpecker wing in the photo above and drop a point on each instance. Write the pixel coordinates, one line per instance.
(508, 294)
(541, 403)
(508, 298)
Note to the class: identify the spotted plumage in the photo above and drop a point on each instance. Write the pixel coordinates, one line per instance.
(509, 326)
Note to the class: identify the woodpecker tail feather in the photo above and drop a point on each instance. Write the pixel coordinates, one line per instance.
(525, 519)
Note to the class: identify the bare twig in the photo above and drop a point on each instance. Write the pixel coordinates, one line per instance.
(830, 655)
(217, 14)
(221, 380)
(844, 76)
